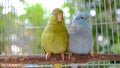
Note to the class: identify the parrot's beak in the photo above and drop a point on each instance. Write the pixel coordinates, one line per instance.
(59, 19)
(59, 16)
(90, 20)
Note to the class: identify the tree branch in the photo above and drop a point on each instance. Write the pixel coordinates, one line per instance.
(40, 59)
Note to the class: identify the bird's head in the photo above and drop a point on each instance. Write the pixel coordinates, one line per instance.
(82, 19)
(58, 13)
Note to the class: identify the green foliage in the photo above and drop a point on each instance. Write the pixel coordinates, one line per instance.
(88, 0)
(118, 3)
(36, 44)
(71, 8)
(1, 10)
(7, 26)
(35, 14)
(115, 49)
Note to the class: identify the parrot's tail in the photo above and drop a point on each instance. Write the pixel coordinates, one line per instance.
(57, 65)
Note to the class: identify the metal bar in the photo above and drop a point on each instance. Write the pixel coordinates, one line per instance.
(41, 27)
(106, 24)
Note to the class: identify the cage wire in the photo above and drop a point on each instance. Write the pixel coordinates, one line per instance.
(20, 34)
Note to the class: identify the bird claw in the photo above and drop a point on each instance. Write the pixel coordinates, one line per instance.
(62, 56)
(69, 56)
(91, 54)
(47, 56)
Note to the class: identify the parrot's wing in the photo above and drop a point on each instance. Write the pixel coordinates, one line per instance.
(47, 38)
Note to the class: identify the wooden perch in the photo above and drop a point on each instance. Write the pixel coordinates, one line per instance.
(40, 59)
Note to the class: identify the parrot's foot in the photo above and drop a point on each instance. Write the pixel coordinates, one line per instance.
(69, 56)
(48, 56)
(91, 54)
(62, 56)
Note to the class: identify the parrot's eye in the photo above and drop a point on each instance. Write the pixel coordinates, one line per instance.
(82, 17)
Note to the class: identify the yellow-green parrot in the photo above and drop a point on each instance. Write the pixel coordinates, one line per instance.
(55, 36)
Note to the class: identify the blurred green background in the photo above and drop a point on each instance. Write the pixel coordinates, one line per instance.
(22, 23)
